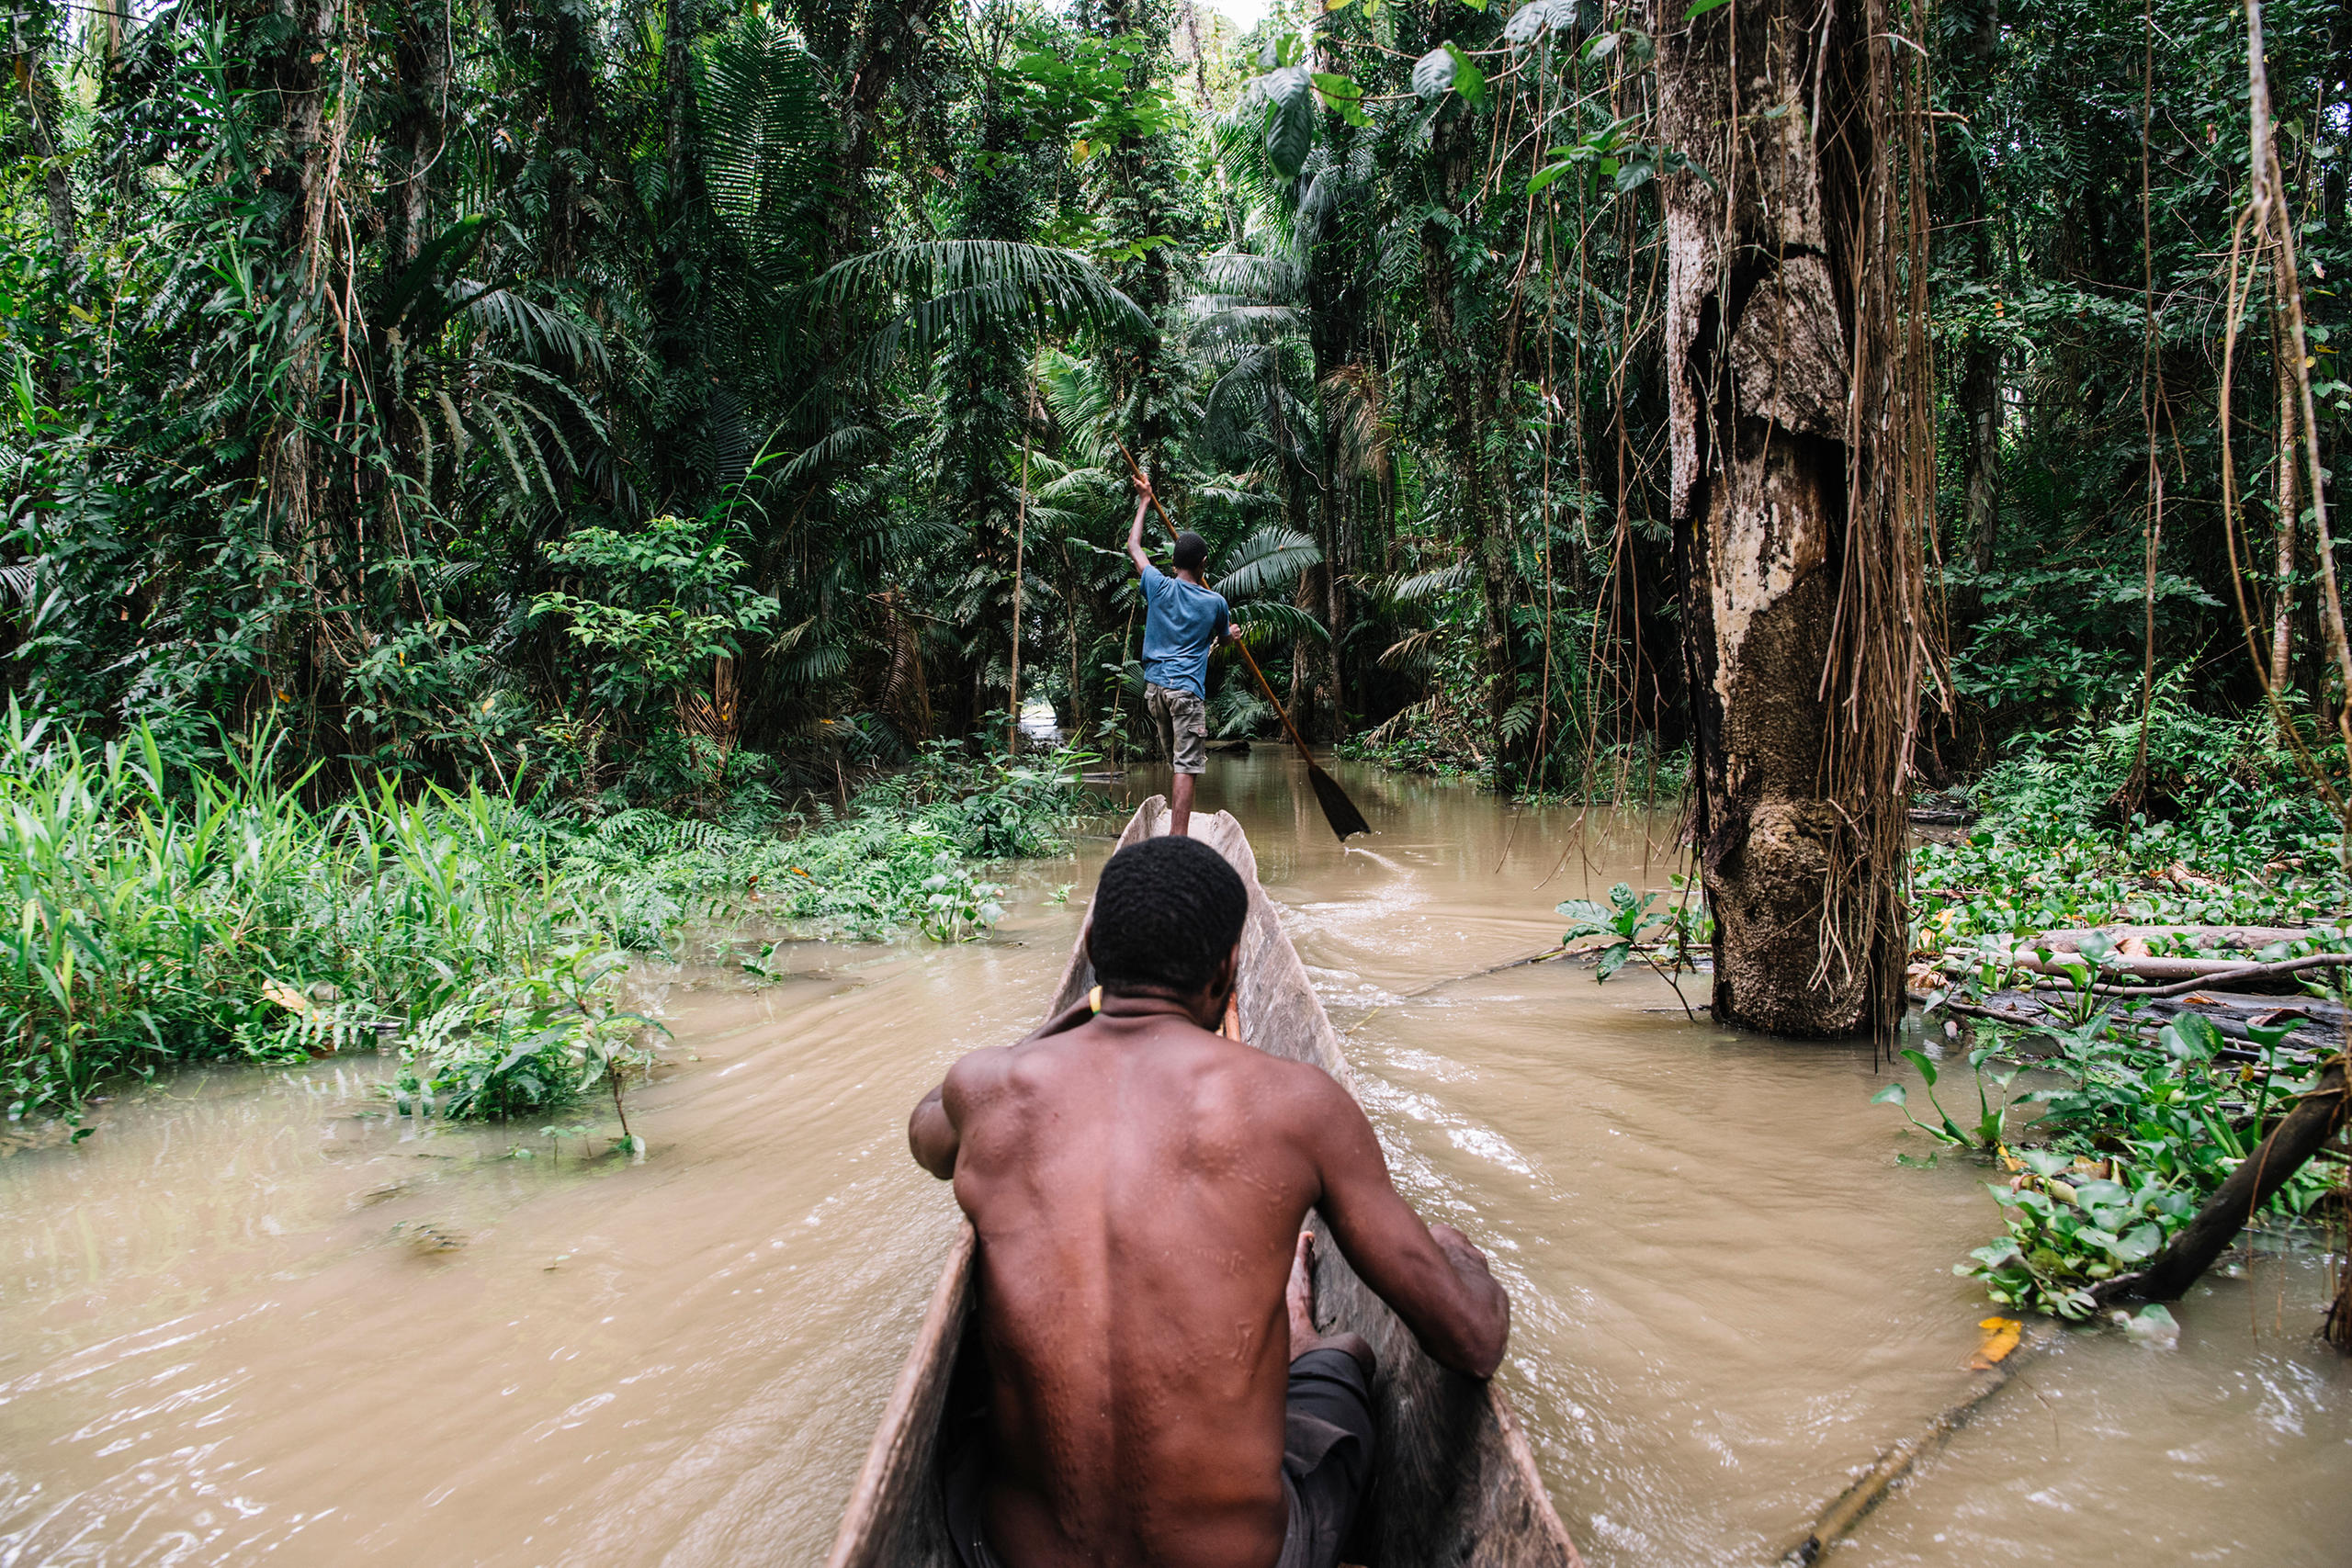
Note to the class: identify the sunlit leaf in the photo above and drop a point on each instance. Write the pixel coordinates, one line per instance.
(2000, 1337)
(1290, 119)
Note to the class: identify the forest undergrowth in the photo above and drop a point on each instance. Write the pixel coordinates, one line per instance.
(2106, 1118)
(173, 913)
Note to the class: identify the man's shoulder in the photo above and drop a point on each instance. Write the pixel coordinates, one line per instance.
(1298, 1085)
(976, 1073)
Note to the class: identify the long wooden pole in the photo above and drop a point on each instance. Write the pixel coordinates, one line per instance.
(1019, 534)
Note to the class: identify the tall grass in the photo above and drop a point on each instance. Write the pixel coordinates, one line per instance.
(156, 913)
(162, 914)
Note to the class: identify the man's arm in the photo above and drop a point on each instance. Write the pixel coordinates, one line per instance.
(932, 1135)
(1135, 529)
(935, 1132)
(1430, 1275)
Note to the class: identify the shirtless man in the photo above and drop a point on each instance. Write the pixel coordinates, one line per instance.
(1160, 1397)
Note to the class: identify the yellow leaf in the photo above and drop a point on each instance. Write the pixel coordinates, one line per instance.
(285, 995)
(2000, 1339)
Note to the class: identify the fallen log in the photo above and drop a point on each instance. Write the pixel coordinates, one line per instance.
(2026, 953)
(2071, 940)
(2296, 1137)
(1847, 1508)
(2212, 970)
(2176, 977)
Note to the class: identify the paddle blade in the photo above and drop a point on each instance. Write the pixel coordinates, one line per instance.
(1338, 809)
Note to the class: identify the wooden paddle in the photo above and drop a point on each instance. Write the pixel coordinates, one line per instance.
(1338, 809)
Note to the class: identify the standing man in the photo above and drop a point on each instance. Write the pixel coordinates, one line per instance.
(1184, 618)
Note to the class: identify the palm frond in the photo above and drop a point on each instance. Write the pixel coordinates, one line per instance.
(961, 286)
(1269, 559)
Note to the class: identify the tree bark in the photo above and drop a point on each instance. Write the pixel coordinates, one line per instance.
(421, 68)
(2282, 611)
(1760, 322)
(1980, 378)
(884, 48)
(31, 74)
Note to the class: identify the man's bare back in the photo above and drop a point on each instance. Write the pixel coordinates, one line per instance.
(1137, 1183)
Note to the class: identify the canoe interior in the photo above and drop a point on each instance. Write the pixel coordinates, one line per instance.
(1457, 1483)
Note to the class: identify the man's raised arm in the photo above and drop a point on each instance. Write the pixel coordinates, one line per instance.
(1135, 529)
(1430, 1275)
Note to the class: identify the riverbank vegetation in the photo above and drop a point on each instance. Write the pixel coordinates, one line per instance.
(169, 913)
(2122, 995)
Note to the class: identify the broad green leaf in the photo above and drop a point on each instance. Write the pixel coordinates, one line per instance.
(1546, 177)
(1893, 1094)
(1290, 119)
(1468, 80)
(1344, 96)
(1700, 7)
(2270, 1036)
(2196, 1031)
(1927, 1067)
(1433, 73)
(1527, 23)
(1613, 959)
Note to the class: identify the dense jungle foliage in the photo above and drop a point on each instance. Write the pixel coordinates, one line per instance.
(674, 415)
(654, 398)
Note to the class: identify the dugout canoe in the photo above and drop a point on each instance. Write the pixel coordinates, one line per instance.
(1456, 1484)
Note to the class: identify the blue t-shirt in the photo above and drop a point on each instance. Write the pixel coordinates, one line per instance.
(1180, 621)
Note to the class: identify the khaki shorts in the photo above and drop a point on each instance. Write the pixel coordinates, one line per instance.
(1182, 720)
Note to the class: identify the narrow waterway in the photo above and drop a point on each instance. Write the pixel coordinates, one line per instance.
(252, 1317)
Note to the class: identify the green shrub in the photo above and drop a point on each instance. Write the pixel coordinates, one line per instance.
(158, 914)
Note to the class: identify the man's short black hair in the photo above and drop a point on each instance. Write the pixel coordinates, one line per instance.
(1192, 551)
(1166, 913)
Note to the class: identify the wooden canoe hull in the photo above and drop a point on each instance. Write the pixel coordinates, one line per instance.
(1457, 1483)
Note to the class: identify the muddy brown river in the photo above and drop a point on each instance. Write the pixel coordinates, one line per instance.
(252, 1317)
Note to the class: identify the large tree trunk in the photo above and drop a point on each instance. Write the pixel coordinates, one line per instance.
(38, 102)
(883, 47)
(421, 69)
(1473, 374)
(1760, 322)
(1980, 375)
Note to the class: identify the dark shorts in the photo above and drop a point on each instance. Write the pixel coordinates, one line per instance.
(1328, 1445)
